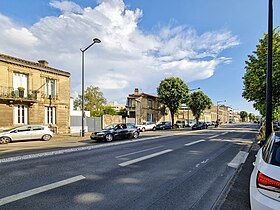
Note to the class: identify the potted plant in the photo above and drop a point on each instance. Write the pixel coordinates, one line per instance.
(21, 91)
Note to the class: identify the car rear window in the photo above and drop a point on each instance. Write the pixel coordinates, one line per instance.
(271, 151)
(275, 157)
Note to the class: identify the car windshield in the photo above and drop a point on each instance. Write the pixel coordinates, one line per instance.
(143, 123)
(109, 127)
(8, 130)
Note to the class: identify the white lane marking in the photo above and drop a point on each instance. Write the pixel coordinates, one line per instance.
(145, 157)
(238, 159)
(224, 133)
(38, 190)
(195, 142)
(211, 137)
(63, 151)
(144, 150)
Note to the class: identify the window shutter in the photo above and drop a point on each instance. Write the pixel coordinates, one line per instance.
(46, 115)
(54, 115)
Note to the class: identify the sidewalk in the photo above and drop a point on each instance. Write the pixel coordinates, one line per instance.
(237, 196)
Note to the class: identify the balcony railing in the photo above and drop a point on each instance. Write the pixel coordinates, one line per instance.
(12, 93)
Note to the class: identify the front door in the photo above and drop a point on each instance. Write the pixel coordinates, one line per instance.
(22, 133)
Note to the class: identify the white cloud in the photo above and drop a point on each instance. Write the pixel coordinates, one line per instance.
(126, 58)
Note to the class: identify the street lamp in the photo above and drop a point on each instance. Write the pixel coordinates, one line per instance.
(189, 107)
(218, 109)
(268, 126)
(95, 40)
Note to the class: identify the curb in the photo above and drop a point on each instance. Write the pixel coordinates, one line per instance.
(224, 193)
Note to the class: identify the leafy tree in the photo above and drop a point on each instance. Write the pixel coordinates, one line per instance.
(109, 110)
(198, 102)
(123, 112)
(255, 77)
(172, 92)
(94, 101)
(243, 115)
(251, 116)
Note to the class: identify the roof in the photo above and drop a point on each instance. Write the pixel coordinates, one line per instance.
(31, 64)
(142, 94)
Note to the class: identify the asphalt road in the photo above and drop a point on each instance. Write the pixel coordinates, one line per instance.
(188, 170)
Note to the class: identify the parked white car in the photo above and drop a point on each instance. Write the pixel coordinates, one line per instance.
(27, 132)
(265, 178)
(145, 126)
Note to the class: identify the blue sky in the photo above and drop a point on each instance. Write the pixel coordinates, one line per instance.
(203, 42)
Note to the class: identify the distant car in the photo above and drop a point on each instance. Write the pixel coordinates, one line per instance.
(28, 132)
(276, 127)
(180, 124)
(116, 131)
(199, 126)
(164, 126)
(190, 123)
(209, 123)
(265, 178)
(145, 126)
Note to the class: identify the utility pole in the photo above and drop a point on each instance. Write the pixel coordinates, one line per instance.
(268, 124)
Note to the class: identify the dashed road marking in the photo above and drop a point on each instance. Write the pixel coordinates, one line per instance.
(195, 142)
(38, 190)
(144, 158)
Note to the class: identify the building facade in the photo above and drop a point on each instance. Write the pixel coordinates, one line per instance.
(144, 107)
(33, 93)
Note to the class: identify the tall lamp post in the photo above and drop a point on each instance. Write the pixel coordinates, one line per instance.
(95, 40)
(189, 107)
(218, 108)
(268, 126)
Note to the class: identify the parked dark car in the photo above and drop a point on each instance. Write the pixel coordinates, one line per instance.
(276, 127)
(116, 131)
(180, 124)
(163, 126)
(199, 126)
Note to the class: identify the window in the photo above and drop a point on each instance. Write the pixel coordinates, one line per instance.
(20, 114)
(50, 115)
(37, 128)
(24, 129)
(20, 80)
(50, 88)
(150, 103)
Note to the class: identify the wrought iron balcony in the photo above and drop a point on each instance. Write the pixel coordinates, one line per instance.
(12, 93)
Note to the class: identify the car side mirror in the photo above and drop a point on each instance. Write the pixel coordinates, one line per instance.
(260, 143)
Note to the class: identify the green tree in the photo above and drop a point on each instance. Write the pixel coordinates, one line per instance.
(255, 77)
(94, 101)
(109, 110)
(252, 117)
(123, 112)
(198, 102)
(172, 92)
(243, 115)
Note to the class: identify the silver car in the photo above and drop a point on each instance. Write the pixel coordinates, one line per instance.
(27, 132)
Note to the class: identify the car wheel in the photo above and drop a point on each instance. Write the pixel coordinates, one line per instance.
(154, 128)
(143, 130)
(135, 135)
(109, 137)
(5, 140)
(163, 128)
(46, 137)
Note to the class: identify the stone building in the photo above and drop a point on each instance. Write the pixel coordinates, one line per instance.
(33, 93)
(145, 107)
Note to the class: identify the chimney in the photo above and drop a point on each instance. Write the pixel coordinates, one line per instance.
(136, 91)
(43, 62)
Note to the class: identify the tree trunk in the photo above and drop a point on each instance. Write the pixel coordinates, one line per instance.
(196, 119)
(172, 118)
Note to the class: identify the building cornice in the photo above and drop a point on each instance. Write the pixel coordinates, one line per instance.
(30, 64)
